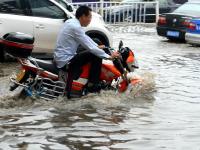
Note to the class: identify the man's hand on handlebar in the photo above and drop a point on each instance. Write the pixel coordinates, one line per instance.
(114, 55)
(108, 50)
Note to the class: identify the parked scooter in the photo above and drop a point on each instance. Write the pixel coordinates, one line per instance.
(40, 78)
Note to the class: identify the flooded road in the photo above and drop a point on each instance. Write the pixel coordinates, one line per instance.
(164, 114)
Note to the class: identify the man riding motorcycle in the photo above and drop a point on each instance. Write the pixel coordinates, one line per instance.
(67, 58)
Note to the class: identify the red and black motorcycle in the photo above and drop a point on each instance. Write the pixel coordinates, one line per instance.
(40, 78)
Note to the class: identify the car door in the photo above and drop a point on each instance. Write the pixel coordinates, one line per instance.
(47, 19)
(13, 17)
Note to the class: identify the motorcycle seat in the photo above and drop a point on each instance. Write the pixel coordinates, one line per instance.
(47, 65)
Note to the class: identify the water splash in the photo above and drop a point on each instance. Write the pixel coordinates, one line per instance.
(143, 88)
(104, 99)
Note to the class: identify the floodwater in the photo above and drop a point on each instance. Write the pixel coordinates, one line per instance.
(163, 113)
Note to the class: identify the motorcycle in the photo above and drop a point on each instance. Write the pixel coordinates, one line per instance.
(41, 78)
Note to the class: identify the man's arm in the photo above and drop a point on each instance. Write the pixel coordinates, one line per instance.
(87, 43)
(91, 40)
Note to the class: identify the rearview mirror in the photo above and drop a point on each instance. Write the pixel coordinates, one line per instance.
(70, 8)
(120, 44)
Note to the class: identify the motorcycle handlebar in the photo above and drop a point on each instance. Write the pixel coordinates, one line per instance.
(108, 50)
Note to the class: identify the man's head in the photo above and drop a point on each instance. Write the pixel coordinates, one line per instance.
(84, 15)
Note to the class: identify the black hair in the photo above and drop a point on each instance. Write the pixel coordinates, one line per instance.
(83, 10)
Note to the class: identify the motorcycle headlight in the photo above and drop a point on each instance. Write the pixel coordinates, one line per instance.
(132, 62)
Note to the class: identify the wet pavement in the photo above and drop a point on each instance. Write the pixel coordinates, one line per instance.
(162, 114)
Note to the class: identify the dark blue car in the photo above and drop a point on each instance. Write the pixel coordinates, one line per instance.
(175, 25)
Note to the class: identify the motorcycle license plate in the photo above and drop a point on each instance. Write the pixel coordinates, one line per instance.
(20, 75)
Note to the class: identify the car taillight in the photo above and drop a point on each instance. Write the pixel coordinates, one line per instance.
(186, 23)
(162, 21)
(189, 25)
(192, 26)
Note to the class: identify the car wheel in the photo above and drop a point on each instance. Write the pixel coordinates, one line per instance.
(97, 39)
(100, 38)
(94, 34)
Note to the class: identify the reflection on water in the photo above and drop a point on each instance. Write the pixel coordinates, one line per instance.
(161, 113)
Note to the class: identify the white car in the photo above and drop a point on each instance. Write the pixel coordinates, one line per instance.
(43, 19)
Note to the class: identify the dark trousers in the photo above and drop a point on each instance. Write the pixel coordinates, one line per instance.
(74, 68)
(82, 59)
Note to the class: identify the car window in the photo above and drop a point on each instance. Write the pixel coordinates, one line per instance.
(47, 9)
(189, 9)
(65, 5)
(61, 2)
(11, 7)
(163, 2)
